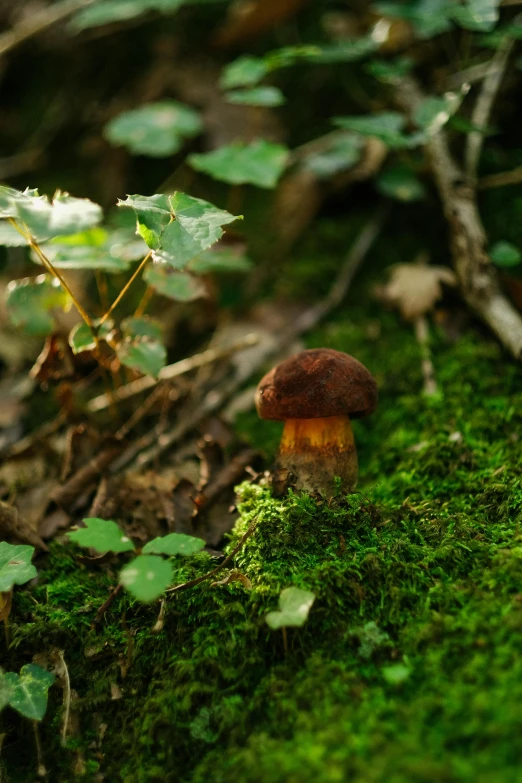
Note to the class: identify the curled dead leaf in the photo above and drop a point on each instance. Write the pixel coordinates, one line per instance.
(234, 576)
(414, 288)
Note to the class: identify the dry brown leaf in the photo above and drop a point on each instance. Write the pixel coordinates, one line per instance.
(234, 576)
(414, 288)
(13, 525)
(5, 604)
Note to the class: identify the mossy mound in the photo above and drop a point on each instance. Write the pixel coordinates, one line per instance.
(409, 667)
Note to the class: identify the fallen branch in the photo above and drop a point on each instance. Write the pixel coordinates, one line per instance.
(39, 21)
(477, 276)
(227, 477)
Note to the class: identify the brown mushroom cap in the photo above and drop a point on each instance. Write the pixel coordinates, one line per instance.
(315, 384)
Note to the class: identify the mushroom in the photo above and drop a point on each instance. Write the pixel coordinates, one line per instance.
(316, 393)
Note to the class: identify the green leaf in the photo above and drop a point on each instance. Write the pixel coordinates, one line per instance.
(343, 153)
(401, 183)
(31, 301)
(153, 213)
(63, 215)
(345, 51)
(109, 11)
(477, 15)
(95, 248)
(6, 691)
(9, 236)
(389, 71)
(396, 674)
(257, 96)
(82, 339)
(135, 327)
(294, 607)
(147, 577)
(11, 198)
(102, 535)
(29, 690)
(221, 258)
(504, 254)
(433, 112)
(181, 286)
(15, 565)
(174, 544)
(428, 17)
(259, 163)
(157, 129)
(386, 126)
(142, 354)
(243, 72)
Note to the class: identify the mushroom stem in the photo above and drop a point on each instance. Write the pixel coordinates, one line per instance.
(313, 452)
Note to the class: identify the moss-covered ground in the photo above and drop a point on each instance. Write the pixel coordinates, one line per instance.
(409, 668)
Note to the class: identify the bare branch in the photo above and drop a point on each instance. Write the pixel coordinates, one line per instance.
(40, 21)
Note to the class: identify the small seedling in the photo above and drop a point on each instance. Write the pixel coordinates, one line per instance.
(15, 569)
(147, 576)
(26, 692)
(294, 607)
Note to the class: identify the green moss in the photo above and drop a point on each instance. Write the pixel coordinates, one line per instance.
(409, 667)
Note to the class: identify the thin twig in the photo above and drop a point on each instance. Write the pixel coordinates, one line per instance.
(484, 104)
(428, 372)
(478, 280)
(124, 289)
(39, 21)
(173, 371)
(226, 561)
(106, 605)
(66, 697)
(513, 177)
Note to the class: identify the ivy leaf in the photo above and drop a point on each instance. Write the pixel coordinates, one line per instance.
(221, 258)
(142, 354)
(434, 112)
(174, 544)
(259, 163)
(343, 153)
(387, 126)
(31, 301)
(257, 96)
(243, 72)
(110, 11)
(157, 129)
(294, 607)
(181, 286)
(102, 535)
(147, 577)
(143, 326)
(389, 71)
(401, 183)
(29, 690)
(15, 565)
(82, 339)
(504, 254)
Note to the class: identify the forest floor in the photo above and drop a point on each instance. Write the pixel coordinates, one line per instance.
(409, 665)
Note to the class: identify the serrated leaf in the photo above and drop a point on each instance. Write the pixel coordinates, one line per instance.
(147, 577)
(82, 339)
(294, 607)
(257, 96)
(29, 690)
(9, 236)
(11, 198)
(504, 254)
(135, 327)
(401, 183)
(30, 302)
(181, 286)
(63, 215)
(103, 535)
(259, 163)
(15, 565)
(156, 129)
(142, 354)
(153, 213)
(344, 152)
(243, 72)
(174, 544)
(221, 258)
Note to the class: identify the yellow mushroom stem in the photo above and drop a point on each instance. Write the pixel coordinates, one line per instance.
(314, 451)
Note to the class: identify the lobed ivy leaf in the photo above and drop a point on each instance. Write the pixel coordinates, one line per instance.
(82, 339)
(181, 286)
(143, 326)
(174, 544)
(257, 96)
(259, 163)
(343, 153)
(244, 72)
(28, 690)
(294, 607)
(147, 577)
(142, 354)
(15, 565)
(387, 126)
(401, 183)
(156, 129)
(102, 535)
(504, 254)
(30, 303)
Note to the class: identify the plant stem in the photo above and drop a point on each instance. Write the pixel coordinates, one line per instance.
(125, 289)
